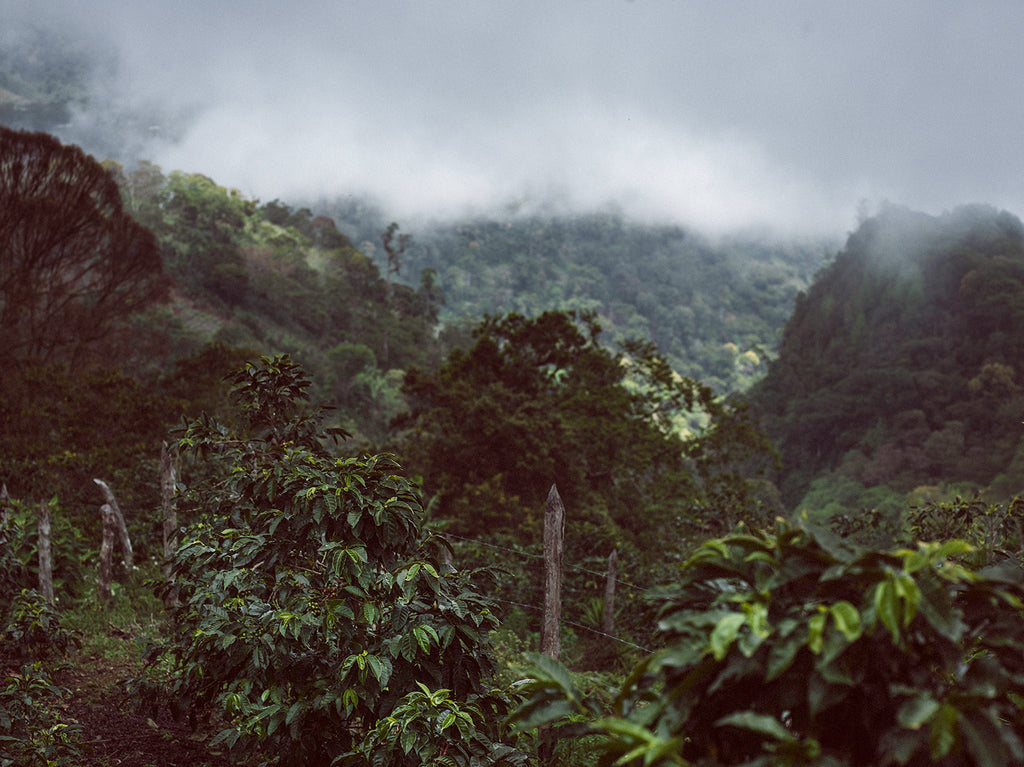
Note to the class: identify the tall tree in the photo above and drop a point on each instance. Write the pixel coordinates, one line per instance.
(73, 263)
(539, 401)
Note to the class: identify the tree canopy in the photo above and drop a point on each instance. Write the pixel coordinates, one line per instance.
(899, 367)
(73, 263)
(635, 449)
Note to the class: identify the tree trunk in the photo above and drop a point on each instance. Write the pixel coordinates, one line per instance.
(106, 553)
(554, 532)
(608, 624)
(45, 553)
(122, 528)
(170, 521)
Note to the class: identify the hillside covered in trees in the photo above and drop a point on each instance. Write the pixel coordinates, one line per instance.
(898, 375)
(714, 307)
(334, 604)
(335, 440)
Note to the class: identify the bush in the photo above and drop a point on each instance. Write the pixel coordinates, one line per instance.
(313, 610)
(31, 730)
(32, 628)
(796, 648)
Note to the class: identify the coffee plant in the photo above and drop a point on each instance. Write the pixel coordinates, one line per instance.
(33, 638)
(315, 615)
(797, 648)
(32, 727)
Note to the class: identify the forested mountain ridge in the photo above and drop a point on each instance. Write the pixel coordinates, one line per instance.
(899, 368)
(272, 276)
(716, 309)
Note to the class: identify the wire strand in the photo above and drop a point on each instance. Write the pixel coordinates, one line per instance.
(575, 625)
(540, 556)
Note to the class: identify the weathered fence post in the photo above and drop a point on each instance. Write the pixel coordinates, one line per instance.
(122, 528)
(554, 532)
(106, 553)
(45, 553)
(170, 520)
(5, 501)
(608, 624)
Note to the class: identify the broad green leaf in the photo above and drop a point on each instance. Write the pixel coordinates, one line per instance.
(553, 671)
(424, 634)
(763, 724)
(943, 735)
(982, 741)
(816, 632)
(350, 698)
(621, 726)
(380, 668)
(917, 712)
(370, 612)
(725, 633)
(847, 619)
(887, 608)
(953, 548)
(757, 619)
(936, 607)
(782, 655)
(910, 597)
(294, 711)
(543, 712)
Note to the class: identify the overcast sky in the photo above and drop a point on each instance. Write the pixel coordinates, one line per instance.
(713, 113)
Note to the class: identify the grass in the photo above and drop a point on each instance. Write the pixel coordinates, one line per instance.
(117, 631)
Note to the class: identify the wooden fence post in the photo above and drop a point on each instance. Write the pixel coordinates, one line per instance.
(554, 532)
(106, 553)
(608, 624)
(45, 553)
(170, 512)
(122, 528)
(5, 501)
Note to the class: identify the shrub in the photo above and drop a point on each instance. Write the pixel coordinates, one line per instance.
(31, 730)
(796, 648)
(313, 610)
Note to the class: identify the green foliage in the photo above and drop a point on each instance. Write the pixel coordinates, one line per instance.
(712, 308)
(898, 367)
(538, 401)
(30, 627)
(33, 628)
(63, 429)
(432, 728)
(994, 530)
(32, 632)
(285, 281)
(796, 648)
(312, 605)
(32, 731)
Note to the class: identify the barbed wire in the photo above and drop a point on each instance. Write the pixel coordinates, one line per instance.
(540, 556)
(574, 624)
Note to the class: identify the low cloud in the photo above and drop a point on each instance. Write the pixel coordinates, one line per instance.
(786, 114)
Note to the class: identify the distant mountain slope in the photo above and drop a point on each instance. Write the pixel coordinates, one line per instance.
(715, 308)
(902, 365)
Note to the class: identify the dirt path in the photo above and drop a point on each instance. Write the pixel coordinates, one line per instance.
(114, 735)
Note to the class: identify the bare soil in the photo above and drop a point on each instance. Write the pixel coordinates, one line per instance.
(114, 734)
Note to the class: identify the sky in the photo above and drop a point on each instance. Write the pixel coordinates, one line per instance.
(794, 115)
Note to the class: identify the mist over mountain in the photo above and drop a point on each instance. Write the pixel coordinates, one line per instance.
(788, 115)
(898, 373)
